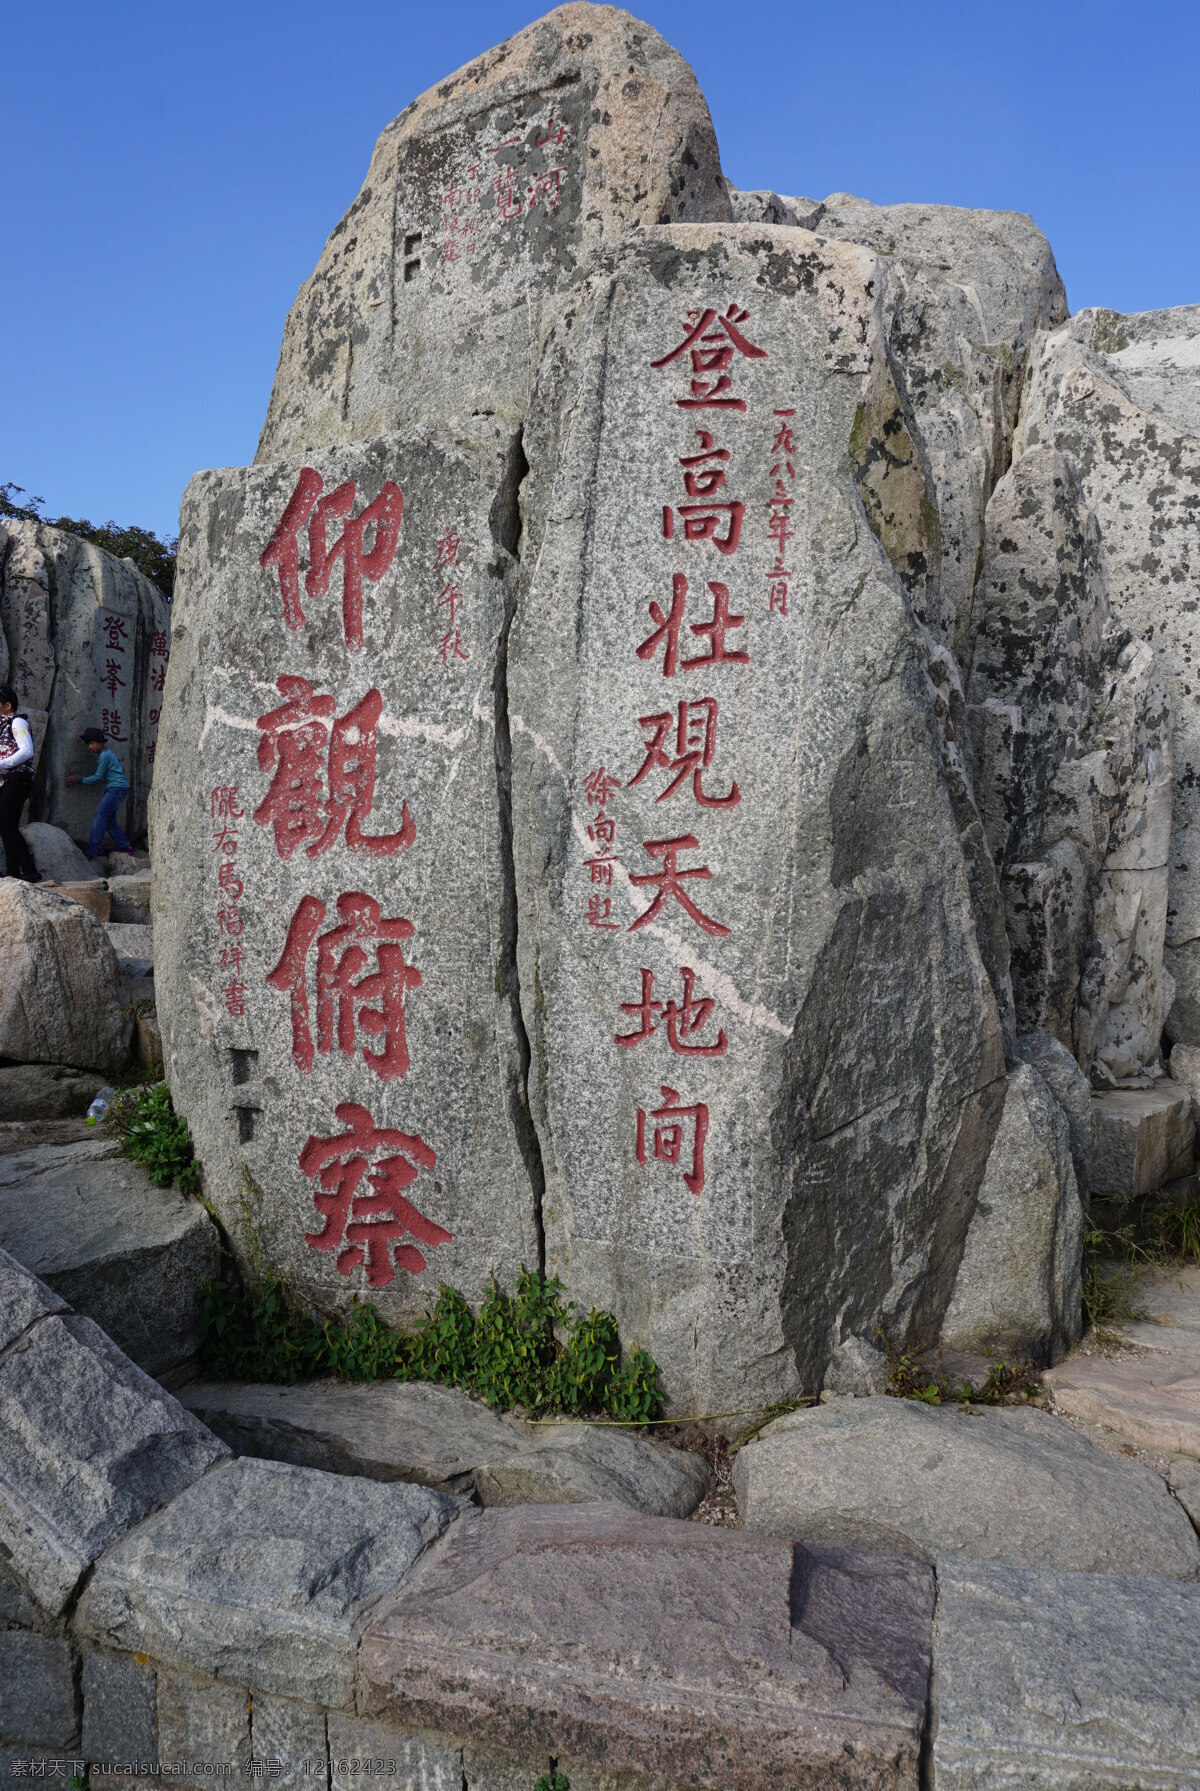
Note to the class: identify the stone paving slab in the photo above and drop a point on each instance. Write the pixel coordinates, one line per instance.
(438, 1437)
(259, 1574)
(129, 1255)
(1048, 1681)
(91, 1447)
(1006, 1484)
(615, 1641)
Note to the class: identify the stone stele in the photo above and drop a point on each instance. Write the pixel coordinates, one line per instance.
(333, 951)
(483, 202)
(766, 1056)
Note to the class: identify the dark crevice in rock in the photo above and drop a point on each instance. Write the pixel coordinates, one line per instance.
(18, 1340)
(328, 1759)
(505, 522)
(925, 1778)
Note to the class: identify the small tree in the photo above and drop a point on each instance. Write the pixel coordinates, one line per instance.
(153, 555)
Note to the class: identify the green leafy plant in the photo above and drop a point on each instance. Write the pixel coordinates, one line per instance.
(553, 1781)
(529, 1348)
(153, 1134)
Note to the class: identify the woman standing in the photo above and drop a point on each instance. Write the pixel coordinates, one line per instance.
(16, 782)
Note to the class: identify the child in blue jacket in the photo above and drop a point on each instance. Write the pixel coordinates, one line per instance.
(111, 773)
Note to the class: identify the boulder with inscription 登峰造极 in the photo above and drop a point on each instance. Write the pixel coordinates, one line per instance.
(484, 202)
(334, 969)
(767, 1062)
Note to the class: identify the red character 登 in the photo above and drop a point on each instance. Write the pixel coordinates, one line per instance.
(712, 351)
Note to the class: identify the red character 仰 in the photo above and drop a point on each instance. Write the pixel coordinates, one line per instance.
(310, 504)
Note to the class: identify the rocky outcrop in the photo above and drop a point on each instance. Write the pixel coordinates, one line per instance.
(87, 638)
(1120, 397)
(483, 204)
(61, 998)
(1072, 746)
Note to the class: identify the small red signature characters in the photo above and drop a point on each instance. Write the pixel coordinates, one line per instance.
(362, 1174)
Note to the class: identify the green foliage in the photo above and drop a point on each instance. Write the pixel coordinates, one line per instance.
(528, 1348)
(151, 554)
(1175, 1229)
(153, 1134)
(553, 1781)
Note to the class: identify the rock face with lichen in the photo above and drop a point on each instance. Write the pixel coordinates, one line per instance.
(665, 760)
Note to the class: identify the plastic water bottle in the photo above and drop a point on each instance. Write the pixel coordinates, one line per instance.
(100, 1105)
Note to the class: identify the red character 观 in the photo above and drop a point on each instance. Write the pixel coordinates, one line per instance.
(310, 504)
(367, 1226)
(683, 1019)
(301, 808)
(712, 351)
(346, 987)
(695, 747)
(669, 883)
(668, 1135)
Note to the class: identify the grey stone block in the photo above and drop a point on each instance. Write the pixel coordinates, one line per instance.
(46, 1091)
(1006, 1484)
(130, 900)
(37, 1690)
(1064, 1681)
(16, 1606)
(123, 1252)
(259, 1574)
(287, 1744)
(1142, 1138)
(92, 1446)
(204, 1723)
(644, 1646)
(23, 1299)
(120, 1704)
(384, 1757)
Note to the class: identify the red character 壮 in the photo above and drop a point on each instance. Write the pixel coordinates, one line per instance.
(346, 986)
(668, 1135)
(695, 747)
(366, 1223)
(683, 1018)
(669, 883)
(712, 351)
(299, 746)
(310, 504)
(668, 627)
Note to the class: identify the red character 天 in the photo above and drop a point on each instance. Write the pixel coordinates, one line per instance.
(365, 1223)
(310, 504)
(683, 1019)
(668, 627)
(695, 747)
(668, 1135)
(346, 986)
(669, 884)
(712, 351)
(299, 805)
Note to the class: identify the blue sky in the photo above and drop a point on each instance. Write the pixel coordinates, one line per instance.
(171, 171)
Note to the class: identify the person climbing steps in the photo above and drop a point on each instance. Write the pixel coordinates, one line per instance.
(111, 773)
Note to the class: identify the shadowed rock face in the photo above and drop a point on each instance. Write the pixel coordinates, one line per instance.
(855, 1062)
(484, 202)
(86, 637)
(1120, 397)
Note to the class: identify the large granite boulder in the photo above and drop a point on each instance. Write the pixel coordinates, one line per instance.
(964, 295)
(61, 992)
(1121, 397)
(767, 1061)
(333, 922)
(88, 639)
(1006, 1484)
(1072, 744)
(483, 202)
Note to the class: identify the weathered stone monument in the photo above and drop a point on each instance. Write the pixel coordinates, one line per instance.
(648, 789)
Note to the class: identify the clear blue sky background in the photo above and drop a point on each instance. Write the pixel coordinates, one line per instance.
(172, 168)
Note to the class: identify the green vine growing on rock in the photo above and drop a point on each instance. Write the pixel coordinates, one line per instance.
(529, 1349)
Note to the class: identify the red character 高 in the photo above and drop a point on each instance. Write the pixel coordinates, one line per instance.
(364, 1225)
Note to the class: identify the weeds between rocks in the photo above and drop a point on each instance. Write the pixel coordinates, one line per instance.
(154, 1135)
(1124, 1238)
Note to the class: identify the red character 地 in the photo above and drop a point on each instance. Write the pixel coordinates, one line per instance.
(298, 747)
(684, 1019)
(668, 1135)
(351, 995)
(362, 1174)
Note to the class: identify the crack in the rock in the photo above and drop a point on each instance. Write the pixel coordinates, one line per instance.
(505, 522)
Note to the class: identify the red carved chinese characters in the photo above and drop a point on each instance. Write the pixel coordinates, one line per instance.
(225, 812)
(711, 343)
(779, 526)
(450, 646)
(323, 775)
(669, 882)
(311, 505)
(667, 630)
(668, 1135)
(695, 746)
(362, 1174)
(598, 787)
(684, 1019)
(361, 981)
(116, 718)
